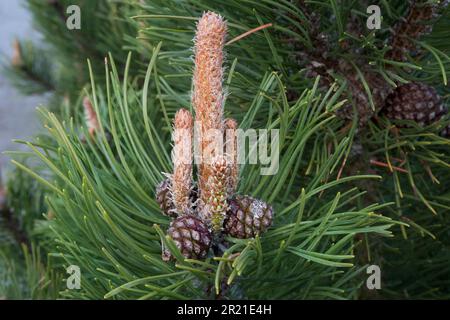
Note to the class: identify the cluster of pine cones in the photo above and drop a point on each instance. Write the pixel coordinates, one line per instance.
(413, 101)
(246, 217)
(206, 210)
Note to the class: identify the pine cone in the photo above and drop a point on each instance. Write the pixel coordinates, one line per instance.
(247, 217)
(165, 201)
(415, 101)
(415, 24)
(164, 198)
(191, 236)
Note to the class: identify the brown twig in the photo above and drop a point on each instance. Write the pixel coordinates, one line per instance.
(249, 32)
(385, 165)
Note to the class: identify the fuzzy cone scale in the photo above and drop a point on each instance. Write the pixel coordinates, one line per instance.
(415, 24)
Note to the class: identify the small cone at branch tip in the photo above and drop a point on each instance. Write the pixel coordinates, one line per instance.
(213, 210)
(182, 159)
(191, 236)
(231, 152)
(163, 195)
(416, 23)
(247, 217)
(417, 102)
(90, 116)
(208, 96)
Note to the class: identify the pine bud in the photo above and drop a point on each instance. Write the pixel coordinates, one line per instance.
(214, 209)
(182, 160)
(417, 102)
(163, 195)
(17, 60)
(90, 116)
(208, 94)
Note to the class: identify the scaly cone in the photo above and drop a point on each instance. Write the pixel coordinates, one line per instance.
(182, 161)
(190, 235)
(231, 153)
(208, 99)
(415, 24)
(247, 217)
(417, 102)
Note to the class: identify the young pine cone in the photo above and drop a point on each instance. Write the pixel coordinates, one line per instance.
(415, 101)
(165, 201)
(191, 236)
(247, 217)
(164, 198)
(417, 22)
